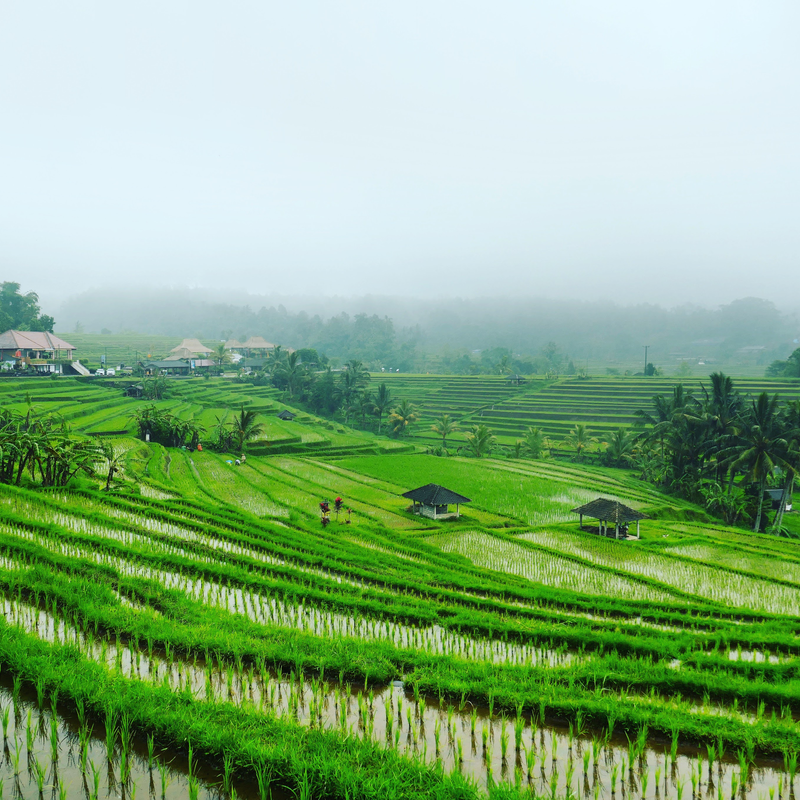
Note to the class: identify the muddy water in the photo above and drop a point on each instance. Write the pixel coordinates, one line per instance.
(69, 760)
(470, 739)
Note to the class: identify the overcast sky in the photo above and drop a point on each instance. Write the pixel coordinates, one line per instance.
(635, 150)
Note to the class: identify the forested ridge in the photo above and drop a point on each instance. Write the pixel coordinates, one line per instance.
(397, 332)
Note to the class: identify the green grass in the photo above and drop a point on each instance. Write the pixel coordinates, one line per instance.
(289, 634)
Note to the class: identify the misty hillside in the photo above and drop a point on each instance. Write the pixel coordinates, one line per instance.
(747, 331)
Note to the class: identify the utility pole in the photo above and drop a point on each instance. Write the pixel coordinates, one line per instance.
(645, 357)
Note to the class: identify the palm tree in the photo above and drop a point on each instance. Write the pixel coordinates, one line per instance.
(580, 439)
(444, 427)
(348, 383)
(759, 447)
(383, 401)
(535, 442)
(791, 419)
(290, 374)
(361, 376)
(245, 427)
(366, 402)
(221, 355)
(480, 440)
(402, 416)
(619, 447)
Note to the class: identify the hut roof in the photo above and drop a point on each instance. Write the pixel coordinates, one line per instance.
(233, 344)
(192, 345)
(179, 354)
(259, 342)
(435, 495)
(286, 415)
(32, 340)
(609, 511)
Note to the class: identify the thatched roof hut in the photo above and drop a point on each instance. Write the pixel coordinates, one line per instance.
(194, 347)
(610, 511)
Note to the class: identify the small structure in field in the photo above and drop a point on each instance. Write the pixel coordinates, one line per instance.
(432, 501)
(613, 512)
(286, 415)
(134, 390)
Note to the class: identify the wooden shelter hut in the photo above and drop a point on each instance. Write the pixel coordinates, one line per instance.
(286, 415)
(610, 511)
(432, 501)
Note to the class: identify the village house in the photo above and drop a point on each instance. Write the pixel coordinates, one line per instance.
(38, 351)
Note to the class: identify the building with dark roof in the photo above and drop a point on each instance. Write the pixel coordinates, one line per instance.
(610, 511)
(286, 415)
(432, 501)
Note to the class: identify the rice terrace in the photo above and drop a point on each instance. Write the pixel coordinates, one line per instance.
(204, 600)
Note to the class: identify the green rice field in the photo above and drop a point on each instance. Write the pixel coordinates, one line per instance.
(198, 632)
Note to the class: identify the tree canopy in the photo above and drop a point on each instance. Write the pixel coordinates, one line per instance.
(21, 312)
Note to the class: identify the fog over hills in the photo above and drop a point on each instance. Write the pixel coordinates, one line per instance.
(624, 152)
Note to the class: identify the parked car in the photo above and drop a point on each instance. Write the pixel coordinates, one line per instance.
(100, 371)
(111, 371)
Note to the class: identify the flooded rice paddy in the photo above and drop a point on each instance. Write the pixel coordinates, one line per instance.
(475, 740)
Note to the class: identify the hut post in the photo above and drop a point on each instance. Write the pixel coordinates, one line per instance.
(638, 535)
(457, 512)
(581, 521)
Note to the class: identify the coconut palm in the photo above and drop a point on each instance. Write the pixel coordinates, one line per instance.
(791, 422)
(290, 374)
(619, 447)
(480, 440)
(580, 440)
(444, 427)
(361, 376)
(382, 401)
(535, 442)
(221, 355)
(402, 416)
(365, 404)
(245, 427)
(759, 447)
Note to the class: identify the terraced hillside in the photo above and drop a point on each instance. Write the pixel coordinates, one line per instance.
(198, 631)
(602, 404)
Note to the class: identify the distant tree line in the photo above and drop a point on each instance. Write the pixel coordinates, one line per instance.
(456, 334)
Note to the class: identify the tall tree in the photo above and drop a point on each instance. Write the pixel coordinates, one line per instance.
(246, 427)
(444, 427)
(535, 442)
(382, 402)
(480, 440)
(21, 311)
(580, 440)
(402, 416)
(759, 447)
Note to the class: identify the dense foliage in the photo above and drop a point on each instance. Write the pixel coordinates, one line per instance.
(21, 311)
(44, 448)
(722, 448)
